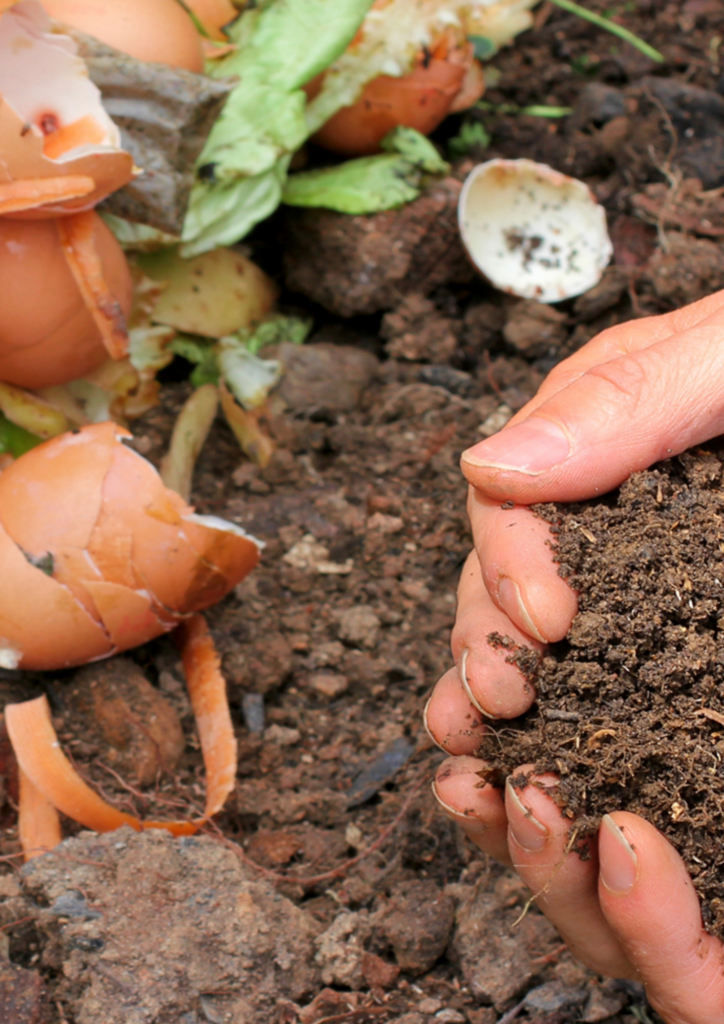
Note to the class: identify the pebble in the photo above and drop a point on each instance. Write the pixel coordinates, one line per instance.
(329, 684)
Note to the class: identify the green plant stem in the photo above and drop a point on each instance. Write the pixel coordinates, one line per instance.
(610, 26)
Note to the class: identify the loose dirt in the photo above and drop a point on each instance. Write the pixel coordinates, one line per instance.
(629, 710)
(331, 889)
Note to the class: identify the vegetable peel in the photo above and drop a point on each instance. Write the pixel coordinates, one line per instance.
(50, 783)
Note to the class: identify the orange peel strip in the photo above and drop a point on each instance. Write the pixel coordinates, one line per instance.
(207, 691)
(77, 236)
(38, 820)
(30, 193)
(50, 779)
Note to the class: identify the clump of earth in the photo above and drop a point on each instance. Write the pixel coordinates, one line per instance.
(630, 706)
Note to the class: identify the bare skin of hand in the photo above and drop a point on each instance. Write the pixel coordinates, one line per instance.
(635, 394)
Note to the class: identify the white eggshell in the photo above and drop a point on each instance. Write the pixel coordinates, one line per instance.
(532, 231)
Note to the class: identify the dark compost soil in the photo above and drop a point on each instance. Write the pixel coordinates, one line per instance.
(630, 706)
(331, 889)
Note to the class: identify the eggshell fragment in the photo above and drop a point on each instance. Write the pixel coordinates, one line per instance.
(421, 100)
(48, 335)
(97, 556)
(532, 231)
(59, 150)
(153, 30)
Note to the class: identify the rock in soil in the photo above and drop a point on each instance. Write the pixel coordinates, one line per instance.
(156, 941)
(630, 712)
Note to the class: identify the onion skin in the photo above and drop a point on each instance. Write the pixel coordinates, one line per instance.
(47, 334)
(449, 79)
(153, 30)
(97, 555)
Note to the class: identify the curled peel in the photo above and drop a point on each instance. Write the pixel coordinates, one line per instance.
(49, 783)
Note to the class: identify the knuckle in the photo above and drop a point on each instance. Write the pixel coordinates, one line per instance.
(624, 378)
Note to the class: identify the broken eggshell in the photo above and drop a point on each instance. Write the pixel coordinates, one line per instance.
(97, 555)
(532, 231)
(48, 334)
(59, 150)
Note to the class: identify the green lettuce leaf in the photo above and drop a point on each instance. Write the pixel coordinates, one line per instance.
(281, 45)
(370, 183)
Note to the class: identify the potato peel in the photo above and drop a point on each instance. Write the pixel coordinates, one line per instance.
(49, 783)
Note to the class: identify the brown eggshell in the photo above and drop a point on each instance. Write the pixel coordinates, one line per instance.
(152, 30)
(168, 565)
(23, 159)
(127, 615)
(47, 334)
(419, 100)
(32, 484)
(113, 538)
(40, 621)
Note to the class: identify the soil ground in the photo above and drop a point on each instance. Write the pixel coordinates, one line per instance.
(330, 888)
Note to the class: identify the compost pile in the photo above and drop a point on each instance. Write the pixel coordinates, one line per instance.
(630, 711)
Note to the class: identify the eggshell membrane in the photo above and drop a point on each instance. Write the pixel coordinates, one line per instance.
(40, 619)
(151, 30)
(47, 334)
(123, 570)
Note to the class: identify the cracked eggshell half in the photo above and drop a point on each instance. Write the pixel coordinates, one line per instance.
(60, 152)
(97, 555)
(47, 333)
(532, 231)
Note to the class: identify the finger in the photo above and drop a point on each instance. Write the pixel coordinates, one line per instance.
(619, 416)
(564, 886)
(494, 685)
(478, 809)
(620, 340)
(452, 722)
(649, 901)
(513, 548)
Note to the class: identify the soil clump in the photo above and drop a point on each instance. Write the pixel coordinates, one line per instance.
(630, 711)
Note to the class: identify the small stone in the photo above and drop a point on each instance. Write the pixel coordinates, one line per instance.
(553, 996)
(430, 1005)
(329, 684)
(359, 626)
(417, 922)
(385, 524)
(450, 1016)
(496, 421)
(282, 735)
(378, 973)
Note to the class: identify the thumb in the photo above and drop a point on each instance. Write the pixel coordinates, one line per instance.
(618, 416)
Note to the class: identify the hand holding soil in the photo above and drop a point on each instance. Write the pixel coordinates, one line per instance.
(636, 394)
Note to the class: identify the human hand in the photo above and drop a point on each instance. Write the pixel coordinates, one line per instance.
(635, 394)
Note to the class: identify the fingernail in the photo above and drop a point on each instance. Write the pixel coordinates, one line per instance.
(530, 447)
(526, 830)
(618, 862)
(427, 727)
(512, 603)
(463, 670)
(472, 826)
